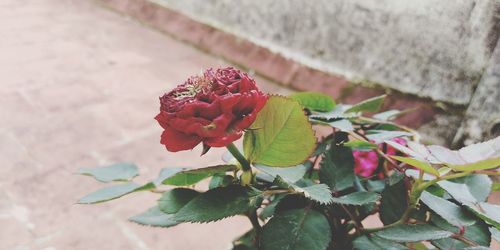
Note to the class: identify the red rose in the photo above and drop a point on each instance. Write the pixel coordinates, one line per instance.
(213, 108)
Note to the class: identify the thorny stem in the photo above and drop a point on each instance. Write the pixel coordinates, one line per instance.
(357, 224)
(465, 240)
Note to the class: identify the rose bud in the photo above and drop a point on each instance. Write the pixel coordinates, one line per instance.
(213, 108)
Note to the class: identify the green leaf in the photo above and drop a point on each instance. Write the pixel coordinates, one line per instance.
(173, 200)
(318, 192)
(460, 192)
(379, 136)
(314, 101)
(269, 210)
(393, 203)
(361, 145)
(357, 198)
(289, 174)
(480, 165)
(426, 167)
(281, 135)
(413, 233)
(296, 229)
(154, 217)
(343, 125)
(369, 105)
(245, 242)
(477, 233)
(376, 243)
(336, 114)
(447, 210)
(220, 181)
(113, 192)
(166, 173)
(337, 168)
(219, 203)
(389, 114)
(115, 172)
(489, 213)
(193, 176)
(479, 185)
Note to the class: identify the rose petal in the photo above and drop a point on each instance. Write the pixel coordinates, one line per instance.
(176, 141)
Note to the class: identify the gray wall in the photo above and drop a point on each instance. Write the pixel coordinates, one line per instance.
(438, 49)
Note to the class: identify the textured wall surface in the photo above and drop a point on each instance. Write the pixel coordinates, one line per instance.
(482, 119)
(429, 48)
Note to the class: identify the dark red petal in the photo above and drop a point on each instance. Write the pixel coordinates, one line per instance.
(162, 119)
(188, 125)
(176, 141)
(222, 141)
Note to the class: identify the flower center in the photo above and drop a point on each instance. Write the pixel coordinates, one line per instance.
(194, 86)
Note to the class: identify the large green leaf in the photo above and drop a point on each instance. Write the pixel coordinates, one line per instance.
(375, 243)
(369, 105)
(115, 172)
(357, 198)
(393, 203)
(193, 176)
(426, 167)
(154, 217)
(113, 192)
(173, 200)
(314, 101)
(447, 210)
(296, 229)
(281, 135)
(219, 203)
(413, 233)
(337, 168)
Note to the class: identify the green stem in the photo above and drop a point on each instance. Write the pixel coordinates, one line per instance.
(252, 215)
(245, 165)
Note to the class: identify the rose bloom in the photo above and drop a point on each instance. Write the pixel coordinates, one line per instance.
(213, 109)
(366, 162)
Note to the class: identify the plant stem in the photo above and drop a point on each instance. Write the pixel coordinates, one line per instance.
(245, 165)
(252, 215)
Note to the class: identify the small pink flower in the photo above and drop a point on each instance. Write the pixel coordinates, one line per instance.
(366, 162)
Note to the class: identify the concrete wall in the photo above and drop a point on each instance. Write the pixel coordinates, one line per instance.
(429, 48)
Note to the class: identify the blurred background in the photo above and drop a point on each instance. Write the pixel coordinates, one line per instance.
(80, 82)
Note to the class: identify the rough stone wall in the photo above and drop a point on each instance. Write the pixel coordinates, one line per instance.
(436, 49)
(482, 118)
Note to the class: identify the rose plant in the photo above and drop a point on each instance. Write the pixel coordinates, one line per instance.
(305, 191)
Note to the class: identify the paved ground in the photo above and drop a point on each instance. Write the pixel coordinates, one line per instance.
(79, 87)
